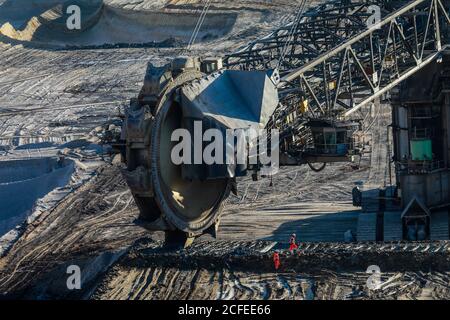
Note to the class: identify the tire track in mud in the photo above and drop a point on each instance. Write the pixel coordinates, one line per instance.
(202, 284)
(276, 286)
(80, 226)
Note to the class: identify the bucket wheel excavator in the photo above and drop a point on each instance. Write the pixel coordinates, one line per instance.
(307, 80)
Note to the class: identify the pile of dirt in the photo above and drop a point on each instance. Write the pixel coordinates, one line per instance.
(104, 25)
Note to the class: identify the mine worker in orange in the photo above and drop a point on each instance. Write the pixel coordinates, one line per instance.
(293, 242)
(276, 260)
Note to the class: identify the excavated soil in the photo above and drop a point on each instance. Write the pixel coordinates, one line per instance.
(244, 270)
(114, 23)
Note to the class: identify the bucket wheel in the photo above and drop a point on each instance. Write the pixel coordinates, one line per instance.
(183, 209)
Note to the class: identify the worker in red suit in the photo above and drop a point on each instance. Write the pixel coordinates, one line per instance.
(293, 242)
(276, 260)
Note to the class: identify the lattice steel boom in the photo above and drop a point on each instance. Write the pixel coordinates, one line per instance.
(338, 57)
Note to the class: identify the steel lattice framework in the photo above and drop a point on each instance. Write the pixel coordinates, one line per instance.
(338, 57)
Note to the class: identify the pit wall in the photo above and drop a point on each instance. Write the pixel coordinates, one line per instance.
(107, 25)
(23, 182)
